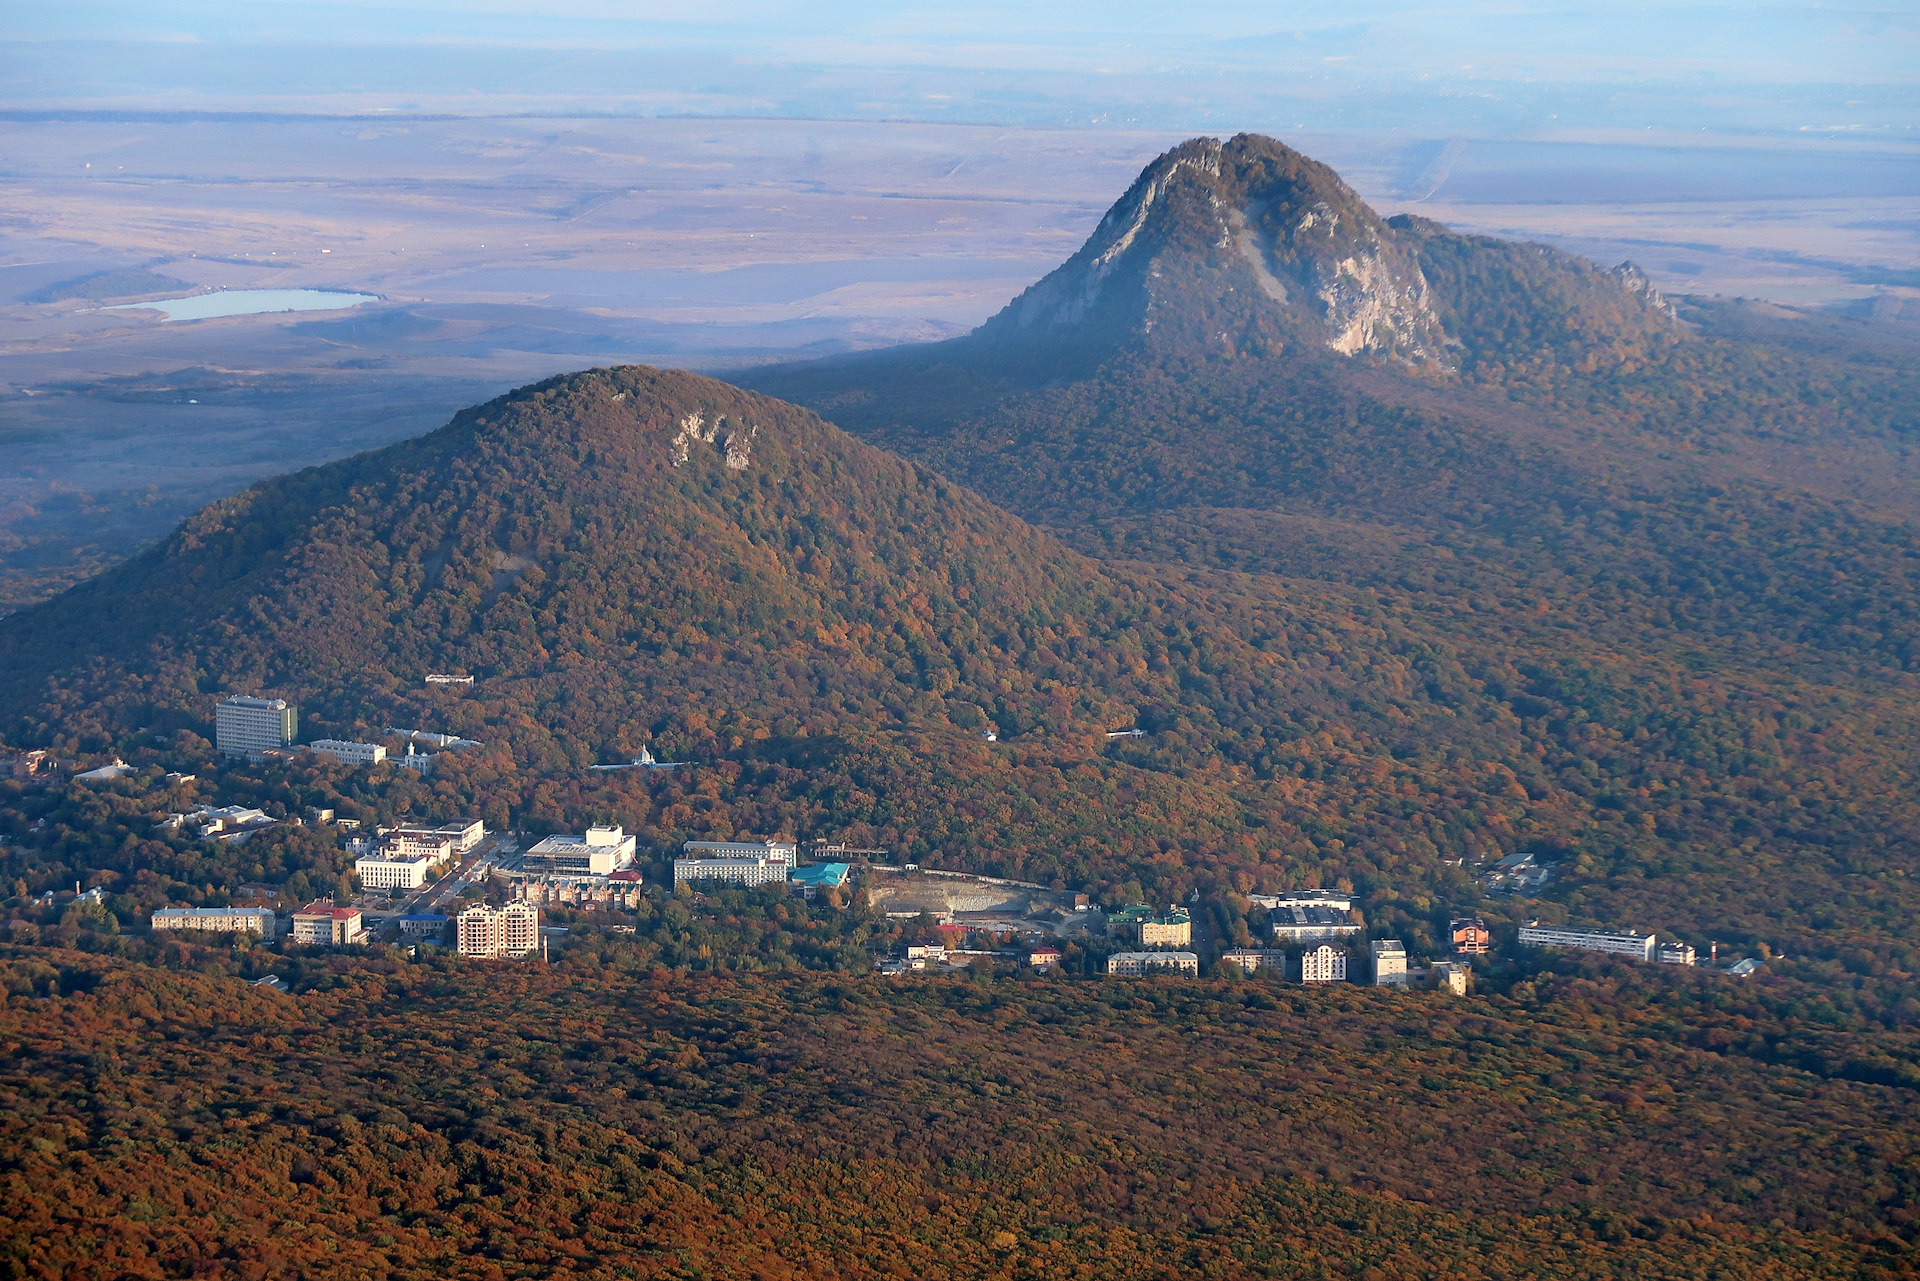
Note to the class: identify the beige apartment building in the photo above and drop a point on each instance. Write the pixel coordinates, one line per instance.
(504, 933)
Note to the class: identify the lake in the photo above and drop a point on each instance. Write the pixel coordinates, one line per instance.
(248, 302)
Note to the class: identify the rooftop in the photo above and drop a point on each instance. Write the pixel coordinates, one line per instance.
(322, 908)
(1135, 913)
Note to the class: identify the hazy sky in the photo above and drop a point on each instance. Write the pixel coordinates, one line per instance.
(1484, 68)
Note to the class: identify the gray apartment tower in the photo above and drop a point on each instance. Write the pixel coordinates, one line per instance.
(248, 726)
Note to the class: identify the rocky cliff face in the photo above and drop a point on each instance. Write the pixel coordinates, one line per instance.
(1247, 247)
(1243, 244)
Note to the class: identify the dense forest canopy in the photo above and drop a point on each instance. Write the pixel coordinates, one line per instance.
(421, 1120)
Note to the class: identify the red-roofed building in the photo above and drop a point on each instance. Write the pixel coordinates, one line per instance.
(1044, 958)
(322, 924)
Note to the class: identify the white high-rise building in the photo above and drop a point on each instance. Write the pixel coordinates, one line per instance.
(490, 933)
(1323, 964)
(1389, 963)
(245, 726)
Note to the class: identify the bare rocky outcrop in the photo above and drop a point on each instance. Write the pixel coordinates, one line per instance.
(1247, 247)
(736, 442)
(1236, 245)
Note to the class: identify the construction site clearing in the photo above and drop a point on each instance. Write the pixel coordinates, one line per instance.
(983, 904)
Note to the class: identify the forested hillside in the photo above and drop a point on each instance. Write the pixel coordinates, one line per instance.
(628, 558)
(598, 1118)
(1624, 504)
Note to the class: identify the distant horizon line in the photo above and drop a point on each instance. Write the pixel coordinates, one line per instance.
(1626, 137)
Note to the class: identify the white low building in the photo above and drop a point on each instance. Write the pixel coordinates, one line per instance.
(347, 753)
(1252, 960)
(413, 838)
(1138, 963)
(106, 773)
(218, 920)
(233, 823)
(600, 851)
(389, 870)
(1620, 943)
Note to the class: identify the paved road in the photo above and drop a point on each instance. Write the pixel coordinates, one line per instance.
(442, 893)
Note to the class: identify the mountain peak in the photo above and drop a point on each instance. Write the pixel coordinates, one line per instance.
(1243, 245)
(1247, 247)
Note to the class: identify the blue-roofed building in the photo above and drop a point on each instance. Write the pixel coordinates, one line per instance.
(811, 879)
(428, 925)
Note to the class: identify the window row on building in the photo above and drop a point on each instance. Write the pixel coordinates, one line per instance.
(488, 933)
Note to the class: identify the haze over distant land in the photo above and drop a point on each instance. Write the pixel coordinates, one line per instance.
(1477, 69)
(532, 199)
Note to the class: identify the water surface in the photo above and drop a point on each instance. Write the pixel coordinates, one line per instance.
(248, 302)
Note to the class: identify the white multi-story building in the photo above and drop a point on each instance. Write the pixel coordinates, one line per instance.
(734, 871)
(1137, 963)
(1311, 916)
(1674, 954)
(1323, 964)
(218, 920)
(388, 870)
(1249, 960)
(1450, 976)
(349, 753)
(600, 851)
(1389, 963)
(462, 835)
(785, 853)
(490, 933)
(1335, 900)
(245, 726)
(401, 858)
(322, 924)
(1622, 943)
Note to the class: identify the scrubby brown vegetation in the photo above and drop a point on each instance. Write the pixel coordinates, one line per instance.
(404, 1120)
